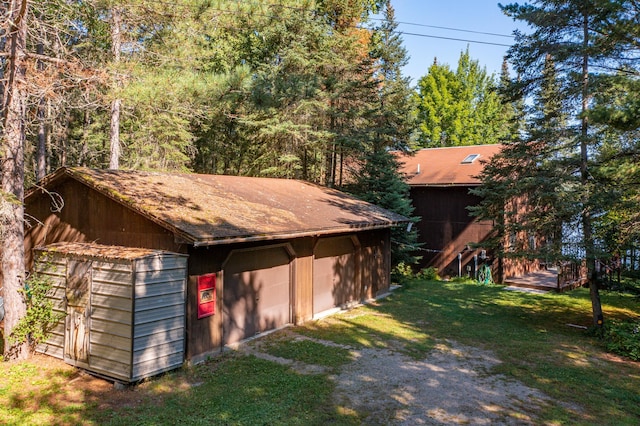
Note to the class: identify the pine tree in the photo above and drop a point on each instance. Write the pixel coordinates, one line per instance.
(579, 36)
(513, 106)
(391, 125)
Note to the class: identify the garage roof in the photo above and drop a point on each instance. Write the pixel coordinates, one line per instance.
(449, 166)
(214, 209)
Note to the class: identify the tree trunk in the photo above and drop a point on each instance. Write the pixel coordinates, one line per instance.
(598, 319)
(41, 152)
(114, 128)
(114, 135)
(13, 103)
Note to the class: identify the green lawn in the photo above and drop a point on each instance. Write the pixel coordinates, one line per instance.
(534, 335)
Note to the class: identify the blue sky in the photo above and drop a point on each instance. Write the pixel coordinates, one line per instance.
(480, 16)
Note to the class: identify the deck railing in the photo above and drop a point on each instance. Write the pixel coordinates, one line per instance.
(571, 274)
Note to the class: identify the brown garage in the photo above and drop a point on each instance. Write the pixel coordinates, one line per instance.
(261, 253)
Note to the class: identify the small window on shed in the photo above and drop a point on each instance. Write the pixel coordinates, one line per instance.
(470, 158)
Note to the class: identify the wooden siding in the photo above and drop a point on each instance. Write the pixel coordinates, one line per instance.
(303, 280)
(446, 227)
(204, 335)
(90, 216)
(375, 253)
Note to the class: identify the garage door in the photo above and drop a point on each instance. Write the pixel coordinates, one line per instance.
(256, 292)
(334, 274)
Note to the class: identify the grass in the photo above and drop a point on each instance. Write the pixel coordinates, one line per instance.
(535, 336)
(236, 390)
(308, 352)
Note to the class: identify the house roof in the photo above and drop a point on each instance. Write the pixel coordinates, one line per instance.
(447, 166)
(212, 209)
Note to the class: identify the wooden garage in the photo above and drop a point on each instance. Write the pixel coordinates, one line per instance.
(261, 253)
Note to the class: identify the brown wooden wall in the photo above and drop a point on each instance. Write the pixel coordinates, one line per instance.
(446, 227)
(303, 279)
(375, 255)
(205, 336)
(89, 216)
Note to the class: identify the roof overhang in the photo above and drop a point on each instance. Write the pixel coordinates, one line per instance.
(444, 185)
(182, 237)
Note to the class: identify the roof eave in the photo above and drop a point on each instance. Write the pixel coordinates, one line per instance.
(445, 185)
(300, 234)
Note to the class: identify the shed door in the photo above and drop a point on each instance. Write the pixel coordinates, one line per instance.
(76, 337)
(256, 292)
(334, 273)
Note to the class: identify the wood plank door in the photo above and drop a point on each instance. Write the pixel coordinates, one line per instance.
(77, 294)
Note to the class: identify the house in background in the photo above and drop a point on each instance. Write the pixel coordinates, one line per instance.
(252, 254)
(440, 180)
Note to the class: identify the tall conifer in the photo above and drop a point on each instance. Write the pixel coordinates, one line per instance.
(581, 37)
(391, 126)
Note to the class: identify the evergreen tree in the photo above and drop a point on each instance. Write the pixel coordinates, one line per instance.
(513, 105)
(579, 36)
(616, 111)
(527, 172)
(391, 125)
(461, 107)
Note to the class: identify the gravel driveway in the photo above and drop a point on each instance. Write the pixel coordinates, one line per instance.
(452, 385)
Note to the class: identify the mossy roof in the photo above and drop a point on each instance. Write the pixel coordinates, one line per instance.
(212, 209)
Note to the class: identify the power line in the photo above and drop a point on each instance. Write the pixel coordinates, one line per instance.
(446, 28)
(239, 12)
(454, 39)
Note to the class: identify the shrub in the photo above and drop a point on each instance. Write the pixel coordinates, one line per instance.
(429, 274)
(401, 273)
(623, 338)
(463, 280)
(40, 318)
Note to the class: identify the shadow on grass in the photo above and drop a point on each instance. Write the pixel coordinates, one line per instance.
(31, 394)
(238, 390)
(527, 332)
(539, 339)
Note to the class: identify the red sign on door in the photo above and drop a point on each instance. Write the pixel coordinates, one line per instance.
(206, 295)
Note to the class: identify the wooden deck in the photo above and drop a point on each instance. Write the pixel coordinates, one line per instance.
(543, 280)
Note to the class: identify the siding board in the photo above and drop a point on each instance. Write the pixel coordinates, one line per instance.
(136, 308)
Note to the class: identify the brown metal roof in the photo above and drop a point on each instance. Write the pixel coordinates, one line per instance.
(211, 209)
(445, 167)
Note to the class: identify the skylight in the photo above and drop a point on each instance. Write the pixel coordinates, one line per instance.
(470, 158)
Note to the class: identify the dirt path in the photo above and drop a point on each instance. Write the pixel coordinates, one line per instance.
(451, 386)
